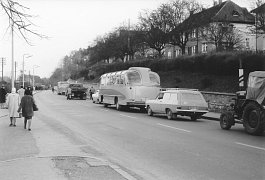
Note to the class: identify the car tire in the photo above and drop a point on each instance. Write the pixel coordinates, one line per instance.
(149, 111)
(226, 120)
(170, 115)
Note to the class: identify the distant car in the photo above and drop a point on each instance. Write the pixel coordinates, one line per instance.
(95, 97)
(176, 101)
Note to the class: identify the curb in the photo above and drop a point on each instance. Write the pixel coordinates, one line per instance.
(210, 118)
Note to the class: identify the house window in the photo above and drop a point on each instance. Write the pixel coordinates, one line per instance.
(193, 50)
(193, 35)
(204, 47)
(189, 50)
(178, 52)
(169, 55)
(247, 43)
(235, 13)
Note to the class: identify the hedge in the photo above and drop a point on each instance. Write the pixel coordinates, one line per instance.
(216, 64)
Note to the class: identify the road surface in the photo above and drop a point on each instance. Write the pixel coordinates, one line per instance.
(147, 147)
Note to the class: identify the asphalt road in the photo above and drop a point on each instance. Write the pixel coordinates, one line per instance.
(151, 147)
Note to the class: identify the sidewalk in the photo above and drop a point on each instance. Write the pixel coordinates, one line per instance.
(40, 154)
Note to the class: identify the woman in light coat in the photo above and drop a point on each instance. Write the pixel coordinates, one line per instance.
(12, 102)
(26, 105)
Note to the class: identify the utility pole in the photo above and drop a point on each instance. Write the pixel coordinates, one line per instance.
(3, 63)
(129, 47)
(15, 72)
(12, 47)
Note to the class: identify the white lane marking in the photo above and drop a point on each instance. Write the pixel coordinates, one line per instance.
(104, 110)
(173, 127)
(256, 147)
(128, 116)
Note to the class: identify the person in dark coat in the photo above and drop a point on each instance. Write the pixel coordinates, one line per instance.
(2, 96)
(26, 105)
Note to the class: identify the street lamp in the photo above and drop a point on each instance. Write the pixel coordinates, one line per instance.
(23, 66)
(34, 66)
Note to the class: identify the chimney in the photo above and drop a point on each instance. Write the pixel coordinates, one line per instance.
(220, 1)
(214, 3)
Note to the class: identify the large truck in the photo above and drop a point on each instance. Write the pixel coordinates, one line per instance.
(249, 106)
(62, 87)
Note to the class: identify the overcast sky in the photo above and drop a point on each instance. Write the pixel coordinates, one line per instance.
(70, 25)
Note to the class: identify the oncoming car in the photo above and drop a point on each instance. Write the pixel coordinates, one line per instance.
(176, 101)
(95, 97)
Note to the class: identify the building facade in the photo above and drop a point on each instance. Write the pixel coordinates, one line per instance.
(225, 26)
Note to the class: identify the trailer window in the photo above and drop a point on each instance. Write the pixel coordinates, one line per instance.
(154, 78)
(133, 77)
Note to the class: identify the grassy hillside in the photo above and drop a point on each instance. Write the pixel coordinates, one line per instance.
(199, 81)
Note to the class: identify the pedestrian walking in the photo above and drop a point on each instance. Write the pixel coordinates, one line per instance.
(27, 106)
(30, 90)
(91, 92)
(12, 103)
(2, 97)
(69, 93)
(21, 92)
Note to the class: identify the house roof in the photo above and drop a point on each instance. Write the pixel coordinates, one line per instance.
(227, 11)
(260, 9)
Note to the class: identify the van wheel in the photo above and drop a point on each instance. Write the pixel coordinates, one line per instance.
(252, 119)
(149, 111)
(226, 120)
(105, 105)
(170, 115)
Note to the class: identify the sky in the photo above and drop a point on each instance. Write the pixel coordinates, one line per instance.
(70, 25)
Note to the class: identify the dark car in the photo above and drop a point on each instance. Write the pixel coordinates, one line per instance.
(77, 91)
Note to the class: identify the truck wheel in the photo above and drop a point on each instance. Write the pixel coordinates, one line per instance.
(169, 114)
(226, 120)
(252, 120)
(149, 111)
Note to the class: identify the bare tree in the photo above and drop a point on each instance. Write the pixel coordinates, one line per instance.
(179, 11)
(156, 26)
(233, 40)
(19, 19)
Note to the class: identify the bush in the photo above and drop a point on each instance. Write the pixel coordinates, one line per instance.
(206, 83)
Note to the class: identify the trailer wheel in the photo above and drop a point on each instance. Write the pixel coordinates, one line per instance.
(252, 119)
(226, 120)
(118, 106)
